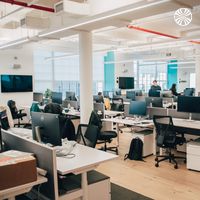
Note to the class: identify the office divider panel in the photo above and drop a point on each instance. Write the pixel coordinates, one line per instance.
(46, 158)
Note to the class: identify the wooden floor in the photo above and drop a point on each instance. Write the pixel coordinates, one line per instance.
(162, 183)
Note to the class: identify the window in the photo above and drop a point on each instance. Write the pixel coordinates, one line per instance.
(62, 74)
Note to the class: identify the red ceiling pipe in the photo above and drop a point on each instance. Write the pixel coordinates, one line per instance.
(151, 31)
(194, 42)
(159, 33)
(19, 3)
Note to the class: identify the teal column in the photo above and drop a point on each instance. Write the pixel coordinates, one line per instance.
(171, 73)
(109, 72)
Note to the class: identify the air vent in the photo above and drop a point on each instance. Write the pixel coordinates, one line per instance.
(72, 8)
(59, 7)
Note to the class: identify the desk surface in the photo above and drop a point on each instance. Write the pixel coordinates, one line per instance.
(14, 191)
(113, 113)
(86, 157)
(130, 121)
(186, 123)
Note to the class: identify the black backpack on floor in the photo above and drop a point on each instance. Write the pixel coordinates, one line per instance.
(135, 150)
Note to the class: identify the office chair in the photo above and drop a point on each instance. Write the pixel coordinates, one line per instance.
(16, 114)
(167, 137)
(88, 134)
(104, 136)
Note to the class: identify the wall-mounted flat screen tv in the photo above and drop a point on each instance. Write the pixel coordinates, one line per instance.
(16, 83)
(126, 82)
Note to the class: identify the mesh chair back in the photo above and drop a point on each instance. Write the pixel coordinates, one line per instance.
(165, 134)
(91, 135)
(95, 120)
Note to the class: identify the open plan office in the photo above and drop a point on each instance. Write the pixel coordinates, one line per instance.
(99, 100)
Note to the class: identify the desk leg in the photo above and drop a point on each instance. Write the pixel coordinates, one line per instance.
(117, 130)
(84, 185)
(154, 142)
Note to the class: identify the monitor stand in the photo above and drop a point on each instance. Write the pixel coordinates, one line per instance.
(190, 118)
(38, 134)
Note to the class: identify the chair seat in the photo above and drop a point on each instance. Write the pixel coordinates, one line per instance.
(107, 135)
(180, 140)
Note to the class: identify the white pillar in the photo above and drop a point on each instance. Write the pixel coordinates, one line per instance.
(197, 72)
(85, 63)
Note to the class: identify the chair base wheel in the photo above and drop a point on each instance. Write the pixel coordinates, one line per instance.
(175, 166)
(156, 159)
(156, 165)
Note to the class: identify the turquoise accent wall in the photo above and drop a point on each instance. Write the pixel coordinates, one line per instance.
(172, 73)
(109, 72)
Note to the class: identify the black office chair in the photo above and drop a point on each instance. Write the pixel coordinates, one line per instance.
(67, 129)
(104, 136)
(16, 114)
(168, 138)
(88, 134)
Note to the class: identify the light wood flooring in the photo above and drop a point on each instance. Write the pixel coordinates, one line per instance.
(162, 183)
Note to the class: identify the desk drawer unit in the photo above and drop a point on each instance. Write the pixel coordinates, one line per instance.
(193, 155)
(147, 139)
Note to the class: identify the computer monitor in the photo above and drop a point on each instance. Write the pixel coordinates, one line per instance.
(70, 96)
(56, 97)
(154, 101)
(108, 94)
(138, 108)
(130, 95)
(74, 104)
(154, 93)
(188, 104)
(46, 125)
(188, 92)
(38, 97)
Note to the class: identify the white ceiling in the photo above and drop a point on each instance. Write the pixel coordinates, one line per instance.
(108, 20)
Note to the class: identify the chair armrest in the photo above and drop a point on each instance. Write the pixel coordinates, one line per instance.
(20, 110)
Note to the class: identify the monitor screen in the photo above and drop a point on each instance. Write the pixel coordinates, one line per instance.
(56, 97)
(16, 83)
(130, 95)
(126, 82)
(108, 94)
(188, 92)
(70, 96)
(154, 101)
(188, 104)
(138, 108)
(38, 97)
(154, 93)
(48, 125)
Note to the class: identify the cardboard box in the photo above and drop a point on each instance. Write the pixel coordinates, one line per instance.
(16, 168)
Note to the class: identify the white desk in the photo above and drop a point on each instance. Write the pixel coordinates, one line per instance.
(144, 123)
(112, 113)
(75, 113)
(86, 159)
(10, 193)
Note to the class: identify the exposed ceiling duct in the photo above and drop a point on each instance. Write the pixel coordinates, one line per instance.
(35, 22)
(23, 4)
(72, 8)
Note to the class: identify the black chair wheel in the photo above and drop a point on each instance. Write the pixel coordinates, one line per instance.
(184, 161)
(175, 166)
(156, 159)
(156, 165)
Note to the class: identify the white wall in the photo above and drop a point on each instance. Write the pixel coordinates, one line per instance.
(184, 77)
(25, 59)
(123, 69)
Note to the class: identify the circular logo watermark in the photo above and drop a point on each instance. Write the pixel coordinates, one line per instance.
(183, 16)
